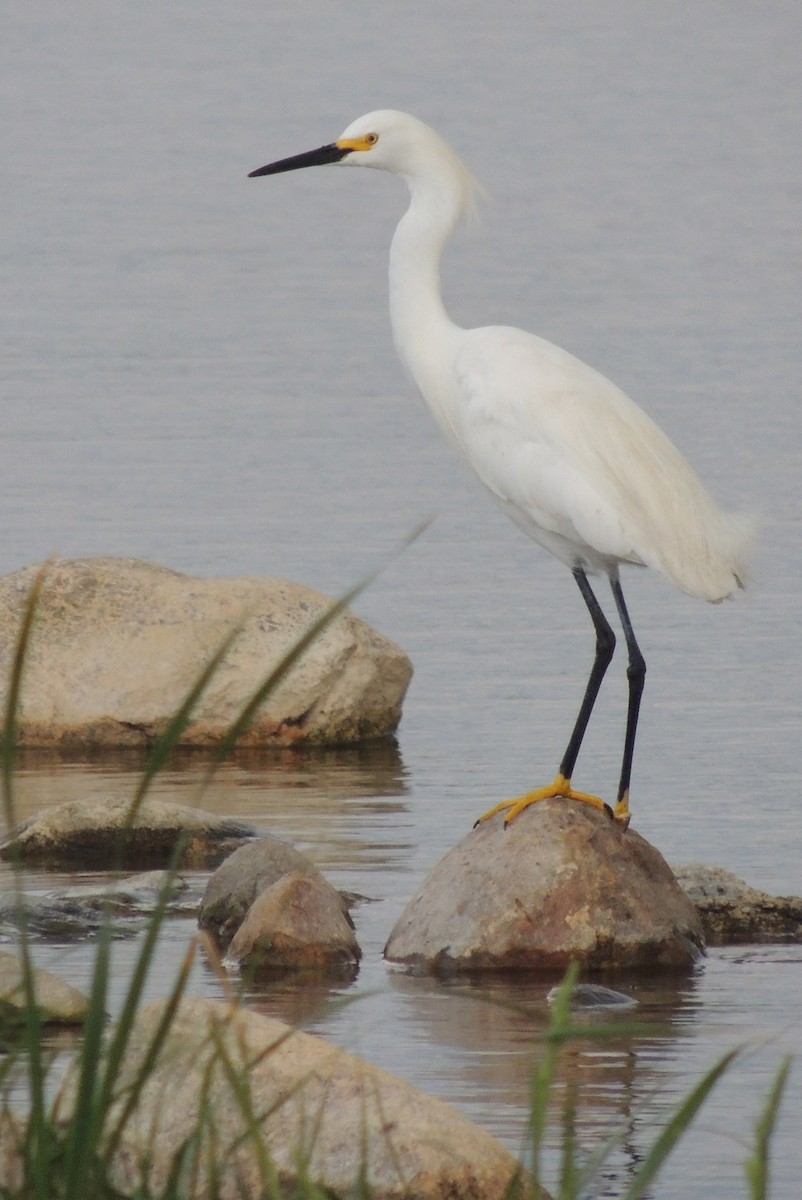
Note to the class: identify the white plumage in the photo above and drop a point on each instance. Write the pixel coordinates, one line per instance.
(567, 455)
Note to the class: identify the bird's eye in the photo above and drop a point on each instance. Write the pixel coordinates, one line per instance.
(371, 138)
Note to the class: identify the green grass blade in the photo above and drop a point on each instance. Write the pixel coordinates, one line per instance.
(148, 1063)
(288, 660)
(543, 1079)
(8, 738)
(133, 995)
(569, 1167)
(757, 1165)
(167, 741)
(673, 1131)
(239, 1083)
(39, 1140)
(39, 1135)
(86, 1118)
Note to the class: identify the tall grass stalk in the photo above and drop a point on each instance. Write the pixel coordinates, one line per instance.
(757, 1164)
(167, 741)
(38, 1130)
(558, 1031)
(672, 1132)
(243, 721)
(576, 1178)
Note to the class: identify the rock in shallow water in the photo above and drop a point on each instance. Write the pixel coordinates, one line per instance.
(563, 883)
(97, 833)
(243, 876)
(118, 643)
(57, 1001)
(734, 913)
(280, 911)
(300, 923)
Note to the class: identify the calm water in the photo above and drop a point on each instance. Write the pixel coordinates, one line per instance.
(197, 370)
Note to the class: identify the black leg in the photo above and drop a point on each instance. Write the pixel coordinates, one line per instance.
(605, 645)
(636, 674)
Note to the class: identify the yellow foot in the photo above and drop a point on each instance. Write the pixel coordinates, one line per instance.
(621, 811)
(560, 787)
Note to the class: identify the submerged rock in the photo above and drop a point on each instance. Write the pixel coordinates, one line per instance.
(99, 832)
(563, 883)
(78, 911)
(733, 913)
(132, 895)
(594, 997)
(244, 875)
(322, 1115)
(301, 923)
(57, 1001)
(118, 643)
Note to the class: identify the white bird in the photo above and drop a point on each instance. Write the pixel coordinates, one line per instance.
(575, 463)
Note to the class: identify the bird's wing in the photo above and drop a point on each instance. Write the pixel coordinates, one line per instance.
(554, 440)
(567, 452)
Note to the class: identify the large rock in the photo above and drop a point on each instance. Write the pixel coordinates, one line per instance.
(118, 643)
(245, 874)
(344, 1124)
(733, 913)
(563, 883)
(58, 1003)
(300, 923)
(100, 832)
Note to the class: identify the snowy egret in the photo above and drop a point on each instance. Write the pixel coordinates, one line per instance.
(570, 458)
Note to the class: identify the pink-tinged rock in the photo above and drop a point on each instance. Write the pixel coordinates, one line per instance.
(300, 922)
(562, 883)
(245, 874)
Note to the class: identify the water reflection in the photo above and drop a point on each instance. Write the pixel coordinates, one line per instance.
(48, 776)
(497, 1028)
(301, 1003)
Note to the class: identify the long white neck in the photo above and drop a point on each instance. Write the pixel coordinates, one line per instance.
(423, 332)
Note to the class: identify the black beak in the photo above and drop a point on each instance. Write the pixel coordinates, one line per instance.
(311, 158)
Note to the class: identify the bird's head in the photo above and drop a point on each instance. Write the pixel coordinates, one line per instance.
(388, 141)
(385, 139)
